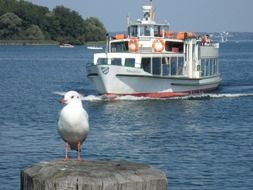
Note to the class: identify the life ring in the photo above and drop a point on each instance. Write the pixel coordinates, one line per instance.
(133, 45)
(158, 45)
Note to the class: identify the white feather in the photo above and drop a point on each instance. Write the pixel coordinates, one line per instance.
(73, 124)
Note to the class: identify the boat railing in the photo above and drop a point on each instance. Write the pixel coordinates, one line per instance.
(148, 38)
(208, 44)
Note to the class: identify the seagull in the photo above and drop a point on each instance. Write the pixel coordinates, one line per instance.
(73, 123)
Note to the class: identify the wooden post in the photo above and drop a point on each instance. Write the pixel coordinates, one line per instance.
(92, 175)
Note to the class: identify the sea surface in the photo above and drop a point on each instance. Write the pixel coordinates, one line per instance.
(201, 142)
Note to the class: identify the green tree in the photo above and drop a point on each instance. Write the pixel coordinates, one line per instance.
(10, 26)
(33, 33)
(67, 24)
(94, 30)
(24, 20)
(7, 6)
(32, 14)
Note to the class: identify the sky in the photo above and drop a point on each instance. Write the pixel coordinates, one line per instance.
(182, 15)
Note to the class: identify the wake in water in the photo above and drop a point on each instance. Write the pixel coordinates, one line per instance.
(204, 96)
(214, 96)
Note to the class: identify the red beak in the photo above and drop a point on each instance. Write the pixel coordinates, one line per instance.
(62, 101)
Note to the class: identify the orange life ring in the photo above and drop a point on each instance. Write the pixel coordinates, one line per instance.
(133, 45)
(158, 45)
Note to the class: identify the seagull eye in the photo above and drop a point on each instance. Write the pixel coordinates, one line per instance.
(72, 97)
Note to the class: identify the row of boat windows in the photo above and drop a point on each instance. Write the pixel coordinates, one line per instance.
(165, 66)
(129, 62)
(209, 67)
(146, 30)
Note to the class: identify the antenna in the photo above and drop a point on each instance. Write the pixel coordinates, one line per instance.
(151, 10)
(128, 20)
(150, 2)
(148, 12)
(153, 15)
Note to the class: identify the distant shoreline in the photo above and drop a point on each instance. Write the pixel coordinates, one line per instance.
(39, 42)
(28, 42)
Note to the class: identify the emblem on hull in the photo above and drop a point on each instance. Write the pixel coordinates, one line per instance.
(105, 70)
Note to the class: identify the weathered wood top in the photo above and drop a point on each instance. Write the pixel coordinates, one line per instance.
(92, 175)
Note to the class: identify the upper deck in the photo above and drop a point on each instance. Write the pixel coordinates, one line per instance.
(147, 36)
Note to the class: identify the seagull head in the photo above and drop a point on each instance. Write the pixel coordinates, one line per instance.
(70, 97)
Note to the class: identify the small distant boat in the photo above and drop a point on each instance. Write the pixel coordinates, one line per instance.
(94, 47)
(66, 46)
(224, 37)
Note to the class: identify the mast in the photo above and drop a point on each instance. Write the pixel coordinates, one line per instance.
(151, 10)
(148, 13)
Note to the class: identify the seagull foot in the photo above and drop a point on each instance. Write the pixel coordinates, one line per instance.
(78, 151)
(66, 155)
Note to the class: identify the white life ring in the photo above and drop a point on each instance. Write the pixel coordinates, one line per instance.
(133, 45)
(158, 45)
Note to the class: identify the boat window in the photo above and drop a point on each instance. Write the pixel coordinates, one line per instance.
(156, 65)
(146, 64)
(133, 31)
(102, 61)
(119, 46)
(180, 66)
(145, 30)
(185, 52)
(157, 31)
(116, 61)
(177, 47)
(174, 66)
(203, 67)
(209, 67)
(215, 70)
(199, 52)
(165, 66)
(194, 49)
(166, 28)
(129, 62)
(207, 73)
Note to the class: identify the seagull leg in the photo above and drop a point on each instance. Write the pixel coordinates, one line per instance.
(78, 151)
(66, 155)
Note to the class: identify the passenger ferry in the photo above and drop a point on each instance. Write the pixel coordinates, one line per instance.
(152, 61)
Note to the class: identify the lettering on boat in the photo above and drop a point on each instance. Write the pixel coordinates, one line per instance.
(133, 71)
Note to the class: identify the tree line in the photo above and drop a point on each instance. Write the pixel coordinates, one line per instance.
(21, 20)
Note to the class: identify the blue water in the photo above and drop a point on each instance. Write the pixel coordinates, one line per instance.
(201, 142)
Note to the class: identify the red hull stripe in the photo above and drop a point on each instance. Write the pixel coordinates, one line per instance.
(159, 94)
(150, 95)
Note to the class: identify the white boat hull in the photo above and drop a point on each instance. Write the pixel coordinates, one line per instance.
(118, 80)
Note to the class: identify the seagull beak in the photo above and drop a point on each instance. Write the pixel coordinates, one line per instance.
(62, 101)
